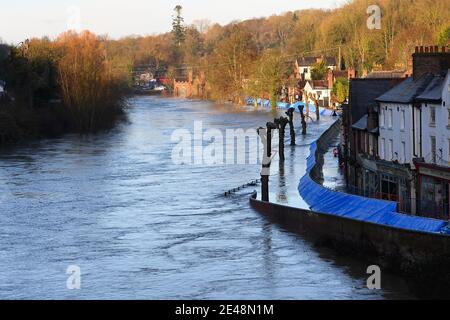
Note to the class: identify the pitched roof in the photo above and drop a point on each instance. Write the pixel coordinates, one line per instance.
(433, 92)
(363, 92)
(406, 91)
(309, 61)
(340, 73)
(361, 124)
(319, 84)
(301, 83)
(387, 74)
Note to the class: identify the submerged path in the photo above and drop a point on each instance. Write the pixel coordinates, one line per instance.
(140, 226)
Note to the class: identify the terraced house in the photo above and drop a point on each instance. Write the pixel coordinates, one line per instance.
(406, 156)
(414, 134)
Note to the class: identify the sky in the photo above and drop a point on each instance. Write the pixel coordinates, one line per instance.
(22, 19)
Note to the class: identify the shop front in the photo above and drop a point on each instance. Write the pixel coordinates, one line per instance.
(433, 190)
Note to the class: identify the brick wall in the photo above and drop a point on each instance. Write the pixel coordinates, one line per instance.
(433, 60)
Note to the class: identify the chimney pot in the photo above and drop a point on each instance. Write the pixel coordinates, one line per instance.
(426, 49)
(421, 49)
(436, 49)
(431, 49)
(417, 49)
(443, 48)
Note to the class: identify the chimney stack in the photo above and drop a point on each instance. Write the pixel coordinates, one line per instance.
(429, 59)
(330, 78)
(351, 73)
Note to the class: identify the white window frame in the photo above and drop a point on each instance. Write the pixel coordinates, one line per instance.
(402, 120)
(432, 116)
(404, 151)
(448, 117)
(390, 118)
(448, 153)
(391, 149)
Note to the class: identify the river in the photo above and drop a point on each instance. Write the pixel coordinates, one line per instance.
(140, 226)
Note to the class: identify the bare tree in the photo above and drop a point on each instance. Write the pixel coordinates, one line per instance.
(202, 25)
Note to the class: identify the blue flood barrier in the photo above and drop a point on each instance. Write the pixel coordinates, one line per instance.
(285, 105)
(322, 199)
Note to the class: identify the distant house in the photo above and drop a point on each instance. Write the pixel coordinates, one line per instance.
(304, 65)
(388, 74)
(190, 86)
(359, 139)
(320, 90)
(146, 77)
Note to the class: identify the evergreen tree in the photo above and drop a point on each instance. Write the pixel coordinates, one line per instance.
(319, 70)
(341, 89)
(178, 29)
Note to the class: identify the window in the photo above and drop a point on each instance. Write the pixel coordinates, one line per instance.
(390, 118)
(371, 149)
(403, 120)
(403, 152)
(432, 116)
(382, 120)
(433, 148)
(448, 117)
(449, 151)
(382, 148)
(391, 149)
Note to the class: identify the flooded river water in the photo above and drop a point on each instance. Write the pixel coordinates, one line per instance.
(140, 226)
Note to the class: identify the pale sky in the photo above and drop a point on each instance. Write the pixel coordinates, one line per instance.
(21, 19)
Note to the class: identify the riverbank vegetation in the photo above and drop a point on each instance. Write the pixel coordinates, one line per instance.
(54, 87)
(231, 55)
(77, 82)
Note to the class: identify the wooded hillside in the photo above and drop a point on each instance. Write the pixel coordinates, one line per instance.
(231, 53)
